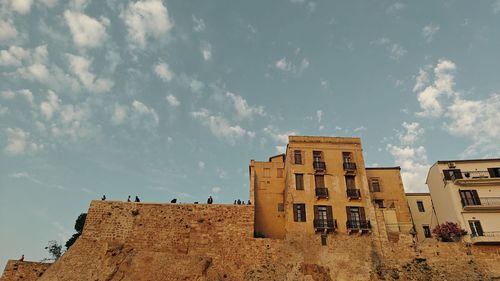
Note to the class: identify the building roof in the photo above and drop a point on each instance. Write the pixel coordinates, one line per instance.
(383, 168)
(418, 194)
(467, 160)
(275, 156)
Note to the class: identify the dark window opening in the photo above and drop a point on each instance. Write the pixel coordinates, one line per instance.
(469, 198)
(475, 228)
(452, 174)
(494, 172)
(427, 231)
(323, 239)
(297, 156)
(299, 212)
(379, 203)
(420, 206)
(299, 181)
(375, 185)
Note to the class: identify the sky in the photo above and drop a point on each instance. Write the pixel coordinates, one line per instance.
(171, 99)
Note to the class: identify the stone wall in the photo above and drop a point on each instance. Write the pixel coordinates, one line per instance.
(145, 242)
(23, 270)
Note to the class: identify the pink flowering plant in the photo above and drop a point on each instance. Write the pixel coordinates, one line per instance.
(448, 232)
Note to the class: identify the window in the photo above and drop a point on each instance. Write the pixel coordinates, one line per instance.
(350, 182)
(299, 212)
(297, 157)
(375, 184)
(379, 203)
(267, 172)
(427, 231)
(279, 172)
(420, 206)
(299, 181)
(319, 181)
(317, 156)
(475, 228)
(346, 156)
(356, 217)
(323, 217)
(281, 207)
(469, 198)
(452, 174)
(494, 172)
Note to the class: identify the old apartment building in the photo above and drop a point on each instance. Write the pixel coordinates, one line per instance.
(321, 185)
(468, 192)
(423, 215)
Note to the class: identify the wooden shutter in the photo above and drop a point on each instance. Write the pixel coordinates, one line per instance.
(477, 201)
(294, 212)
(303, 209)
(463, 197)
(350, 182)
(479, 228)
(348, 212)
(329, 213)
(319, 181)
(316, 212)
(362, 214)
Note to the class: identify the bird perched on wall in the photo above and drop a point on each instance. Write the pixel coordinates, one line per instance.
(173, 201)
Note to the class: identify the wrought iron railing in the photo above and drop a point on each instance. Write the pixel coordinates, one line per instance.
(483, 201)
(319, 165)
(358, 224)
(486, 234)
(470, 175)
(322, 192)
(325, 224)
(353, 193)
(349, 166)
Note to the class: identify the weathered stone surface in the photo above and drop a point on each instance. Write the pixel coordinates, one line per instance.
(23, 270)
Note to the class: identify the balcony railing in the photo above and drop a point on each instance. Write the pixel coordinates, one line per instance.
(358, 224)
(474, 175)
(353, 193)
(486, 237)
(319, 165)
(321, 224)
(349, 166)
(322, 192)
(484, 202)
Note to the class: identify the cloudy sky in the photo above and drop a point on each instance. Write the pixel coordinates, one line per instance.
(171, 99)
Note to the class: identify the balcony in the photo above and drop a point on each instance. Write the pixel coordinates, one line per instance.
(474, 178)
(358, 225)
(492, 237)
(485, 203)
(353, 193)
(349, 167)
(322, 192)
(325, 225)
(319, 166)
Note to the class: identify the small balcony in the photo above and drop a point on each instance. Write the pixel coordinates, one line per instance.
(319, 166)
(485, 203)
(349, 167)
(474, 178)
(325, 225)
(492, 237)
(322, 192)
(358, 225)
(353, 193)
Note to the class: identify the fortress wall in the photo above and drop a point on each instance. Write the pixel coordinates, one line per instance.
(23, 270)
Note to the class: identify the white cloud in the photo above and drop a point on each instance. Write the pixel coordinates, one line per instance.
(286, 65)
(319, 115)
(244, 110)
(429, 31)
(78, 5)
(17, 56)
(398, 6)
(216, 189)
(283, 64)
(119, 114)
(496, 7)
(163, 71)
(277, 136)
(442, 85)
(172, 100)
(80, 66)
(199, 24)
(206, 50)
(87, 32)
(21, 6)
(146, 18)
(25, 93)
(422, 79)
(412, 133)
(50, 106)
(141, 111)
(7, 30)
(18, 142)
(191, 83)
(396, 51)
(220, 127)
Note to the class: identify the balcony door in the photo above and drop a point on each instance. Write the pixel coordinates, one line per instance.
(323, 216)
(475, 228)
(355, 216)
(469, 198)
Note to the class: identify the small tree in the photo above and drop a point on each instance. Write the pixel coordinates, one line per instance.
(55, 250)
(79, 223)
(448, 232)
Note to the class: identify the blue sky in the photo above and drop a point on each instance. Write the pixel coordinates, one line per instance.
(171, 99)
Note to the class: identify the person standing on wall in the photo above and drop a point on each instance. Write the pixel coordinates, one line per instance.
(210, 200)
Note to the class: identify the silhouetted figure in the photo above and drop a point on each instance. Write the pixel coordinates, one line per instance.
(210, 200)
(103, 197)
(128, 199)
(196, 202)
(234, 202)
(22, 258)
(173, 201)
(239, 202)
(249, 203)
(137, 199)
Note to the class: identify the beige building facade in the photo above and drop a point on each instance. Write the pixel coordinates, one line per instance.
(423, 215)
(467, 192)
(321, 186)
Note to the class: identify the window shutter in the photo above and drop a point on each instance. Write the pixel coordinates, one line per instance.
(294, 212)
(319, 181)
(462, 197)
(479, 228)
(303, 212)
(477, 201)
(329, 214)
(348, 212)
(492, 172)
(362, 213)
(316, 212)
(457, 173)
